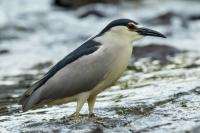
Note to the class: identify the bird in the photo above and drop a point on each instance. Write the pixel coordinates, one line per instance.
(88, 70)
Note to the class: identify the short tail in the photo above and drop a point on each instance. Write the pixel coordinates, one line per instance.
(28, 101)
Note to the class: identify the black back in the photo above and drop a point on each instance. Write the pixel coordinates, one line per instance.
(85, 49)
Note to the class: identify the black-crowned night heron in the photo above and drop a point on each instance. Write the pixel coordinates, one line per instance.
(88, 70)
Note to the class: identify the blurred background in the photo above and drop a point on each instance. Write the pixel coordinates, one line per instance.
(160, 90)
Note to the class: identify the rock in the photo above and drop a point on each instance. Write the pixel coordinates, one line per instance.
(155, 52)
(5, 37)
(167, 19)
(194, 130)
(20, 81)
(41, 66)
(20, 77)
(97, 130)
(71, 4)
(154, 57)
(12, 87)
(97, 10)
(92, 12)
(4, 51)
(194, 17)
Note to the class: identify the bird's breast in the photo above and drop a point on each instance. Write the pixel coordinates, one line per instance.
(120, 55)
(121, 58)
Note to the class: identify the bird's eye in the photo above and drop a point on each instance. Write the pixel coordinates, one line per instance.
(131, 26)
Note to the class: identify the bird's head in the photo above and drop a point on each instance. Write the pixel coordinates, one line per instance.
(129, 29)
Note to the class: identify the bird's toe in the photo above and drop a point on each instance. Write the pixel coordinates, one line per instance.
(92, 115)
(75, 115)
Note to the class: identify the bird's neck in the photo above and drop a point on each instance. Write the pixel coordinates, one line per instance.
(115, 39)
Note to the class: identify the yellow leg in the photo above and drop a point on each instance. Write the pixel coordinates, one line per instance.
(81, 99)
(91, 101)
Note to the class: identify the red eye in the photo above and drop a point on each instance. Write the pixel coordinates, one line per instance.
(131, 26)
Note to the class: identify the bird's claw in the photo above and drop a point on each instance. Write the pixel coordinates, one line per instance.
(75, 115)
(92, 115)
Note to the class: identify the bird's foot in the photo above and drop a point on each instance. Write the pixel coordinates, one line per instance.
(75, 115)
(92, 115)
(96, 119)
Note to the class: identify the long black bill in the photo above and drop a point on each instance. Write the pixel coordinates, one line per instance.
(149, 32)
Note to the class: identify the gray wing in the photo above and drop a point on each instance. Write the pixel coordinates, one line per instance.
(80, 71)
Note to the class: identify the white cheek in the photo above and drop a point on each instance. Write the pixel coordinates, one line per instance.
(136, 36)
